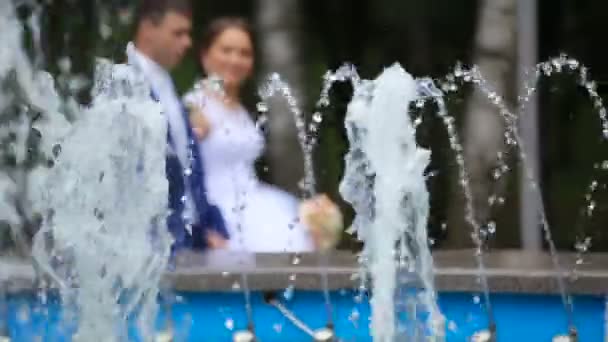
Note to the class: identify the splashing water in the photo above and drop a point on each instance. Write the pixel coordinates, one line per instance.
(307, 140)
(385, 183)
(103, 200)
(84, 239)
(427, 88)
(359, 171)
(561, 64)
(115, 210)
(275, 84)
(30, 94)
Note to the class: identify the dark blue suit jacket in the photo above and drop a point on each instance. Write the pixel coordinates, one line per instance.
(178, 176)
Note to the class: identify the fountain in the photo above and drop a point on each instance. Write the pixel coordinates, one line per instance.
(386, 186)
(117, 191)
(115, 212)
(117, 205)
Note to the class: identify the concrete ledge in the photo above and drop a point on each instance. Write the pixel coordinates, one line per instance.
(507, 271)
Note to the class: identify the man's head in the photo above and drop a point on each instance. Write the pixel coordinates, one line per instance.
(163, 30)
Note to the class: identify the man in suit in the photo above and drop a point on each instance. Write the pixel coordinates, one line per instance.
(161, 40)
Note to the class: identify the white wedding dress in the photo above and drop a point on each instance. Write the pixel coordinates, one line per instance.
(260, 218)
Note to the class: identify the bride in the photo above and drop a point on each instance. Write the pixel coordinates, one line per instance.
(259, 217)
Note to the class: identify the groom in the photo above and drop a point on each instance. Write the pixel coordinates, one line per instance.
(162, 38)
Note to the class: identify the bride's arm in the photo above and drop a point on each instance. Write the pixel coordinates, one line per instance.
(198, 119)
(200, 123)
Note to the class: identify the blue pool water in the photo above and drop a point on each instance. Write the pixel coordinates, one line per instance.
(214, 317)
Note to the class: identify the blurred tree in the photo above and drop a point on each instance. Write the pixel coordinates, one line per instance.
(279, 26)
(483, 130)
(573, 148)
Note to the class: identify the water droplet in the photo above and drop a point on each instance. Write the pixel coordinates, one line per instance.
(354, 315)
(188, 172)
(23, 314)
(573, 64)
(317, 117)
(590, 208)
(277, 327)
(288, 293)
(215, 84)
(458, 72)
(491, 227)
(229, 324)
(476, 299)
(262, 107)
(584, 245)
(323, 101)
(452, 326)
(105, 31)
(236, 286)
(557, 64)
(65, 65)
(296, 260)
(593, 185)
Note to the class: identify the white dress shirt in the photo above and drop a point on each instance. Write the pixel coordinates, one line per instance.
(162, 86)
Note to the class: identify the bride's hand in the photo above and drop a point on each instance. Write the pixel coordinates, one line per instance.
(324, 221)
(199, 122)
(215, 240)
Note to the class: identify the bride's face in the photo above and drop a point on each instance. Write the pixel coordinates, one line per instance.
(230, 57)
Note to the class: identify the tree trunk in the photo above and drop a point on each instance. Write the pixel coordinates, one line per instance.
(279, 27)
(483, 127)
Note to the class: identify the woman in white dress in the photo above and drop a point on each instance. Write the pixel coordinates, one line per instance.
(259, 217)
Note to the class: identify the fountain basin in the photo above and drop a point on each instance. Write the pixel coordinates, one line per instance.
(210, 304)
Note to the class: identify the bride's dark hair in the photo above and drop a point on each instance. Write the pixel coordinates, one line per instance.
(217, 26)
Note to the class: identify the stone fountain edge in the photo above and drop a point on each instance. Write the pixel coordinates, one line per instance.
(508, 271)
